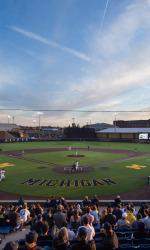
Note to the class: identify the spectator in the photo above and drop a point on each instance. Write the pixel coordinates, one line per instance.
(89, 215)
(25, 214)
(20, 201)
(78, 207)
(117, 201)
(123, 223)
(95, 201)
(142, 209)
(32, 212)
(62, 202)
(11, 245)
(135, 224)
(61, 242)
(2, 212)
(141, 231)
(109, 239)
(130, 216)
(71, 234)
(47, 203)
(89, 228)
(75, 220)
(53, 203)
(59, 217)
(15, 218)
(48, 216)
(103, 216)
(38, 209)
(146, 220)
(38, 225)
(4, 221)
(95, 213)
(45, 237)
(110, 217)
(117, 212)
(86, 201)
(83, 243)
(70, 211)
(30, 241)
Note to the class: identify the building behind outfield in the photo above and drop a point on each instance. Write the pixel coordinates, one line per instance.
(132, 123)
(124, 134)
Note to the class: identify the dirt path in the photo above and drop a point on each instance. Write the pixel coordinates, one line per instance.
(131, 153)
(141, 194)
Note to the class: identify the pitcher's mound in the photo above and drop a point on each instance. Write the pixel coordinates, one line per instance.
(75, 156)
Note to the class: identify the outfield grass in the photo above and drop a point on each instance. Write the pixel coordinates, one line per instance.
(111, 145)
(105, 165)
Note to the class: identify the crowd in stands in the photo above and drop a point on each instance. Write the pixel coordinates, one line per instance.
(58, 225)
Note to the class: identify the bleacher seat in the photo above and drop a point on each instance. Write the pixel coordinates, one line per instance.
(141, 241)
(128, 247)
(144, 246)
(4, 230)
(43, 243)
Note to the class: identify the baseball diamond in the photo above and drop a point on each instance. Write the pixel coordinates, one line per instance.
(42, 169)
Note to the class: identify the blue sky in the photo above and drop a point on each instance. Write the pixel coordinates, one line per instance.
(74, 54)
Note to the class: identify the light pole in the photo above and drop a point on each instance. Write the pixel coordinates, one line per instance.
(90, 123)
(9, 117)
(34, 121)
(39, 114)
(73, 122)
(13, 119)
(115, 120)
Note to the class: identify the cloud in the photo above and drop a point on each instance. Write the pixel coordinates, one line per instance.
(50, 43)
(104, 14)
(114, 80)
(124, 28)
(100, 89)
(121, 71)
(8, 75)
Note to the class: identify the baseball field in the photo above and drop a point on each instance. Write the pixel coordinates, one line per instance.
(43, 169)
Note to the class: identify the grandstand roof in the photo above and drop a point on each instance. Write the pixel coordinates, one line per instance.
(125, 130)
(50, 129)
(7, 126)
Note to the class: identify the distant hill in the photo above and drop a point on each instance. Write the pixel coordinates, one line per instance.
(99, 126)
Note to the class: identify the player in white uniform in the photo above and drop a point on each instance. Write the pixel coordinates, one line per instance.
(2, 174)
(75, 166)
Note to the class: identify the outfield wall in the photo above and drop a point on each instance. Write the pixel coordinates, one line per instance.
(120, 137)
(101, 202)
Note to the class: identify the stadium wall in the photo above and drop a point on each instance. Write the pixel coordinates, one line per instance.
(120, 137)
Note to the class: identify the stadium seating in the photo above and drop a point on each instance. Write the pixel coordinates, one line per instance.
(126, 238)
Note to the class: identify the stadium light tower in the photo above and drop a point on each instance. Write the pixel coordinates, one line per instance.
(13, 119)
(73, 122)
(39, 114)
(34, 121)
(115, 119)
(9, 117)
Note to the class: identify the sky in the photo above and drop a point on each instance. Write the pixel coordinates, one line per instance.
(86, 55)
